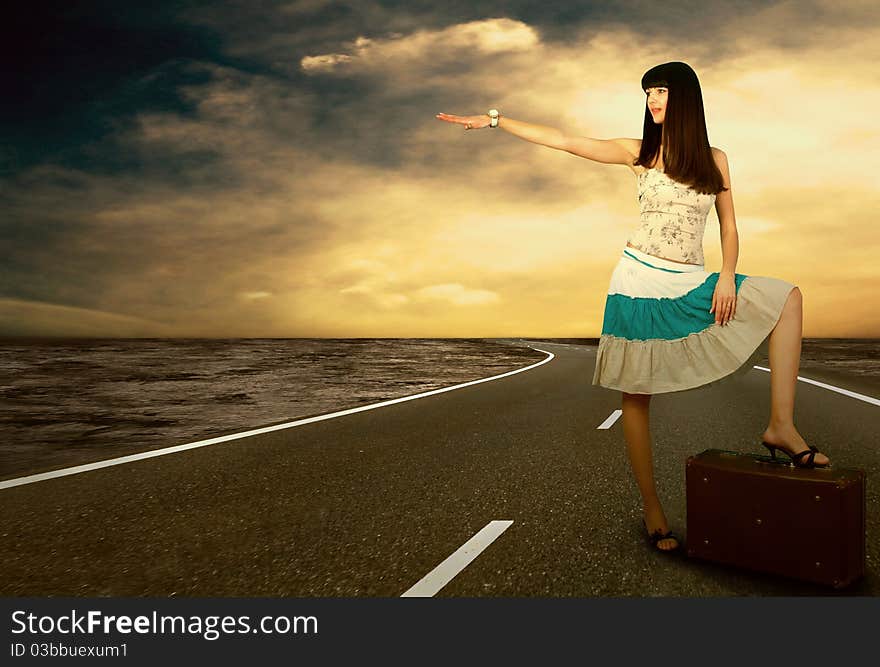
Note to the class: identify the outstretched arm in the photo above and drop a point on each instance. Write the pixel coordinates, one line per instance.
(608, 151)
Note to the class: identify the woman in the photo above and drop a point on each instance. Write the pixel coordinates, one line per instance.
(668, 324)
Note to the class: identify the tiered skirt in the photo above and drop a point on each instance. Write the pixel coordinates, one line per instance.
(658, 335)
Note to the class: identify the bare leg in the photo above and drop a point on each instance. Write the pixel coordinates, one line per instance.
(637, 433)
(785, 355)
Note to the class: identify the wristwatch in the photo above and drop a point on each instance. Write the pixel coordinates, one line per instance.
(494, 115)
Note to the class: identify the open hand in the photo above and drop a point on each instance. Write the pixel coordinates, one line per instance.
(469, 122)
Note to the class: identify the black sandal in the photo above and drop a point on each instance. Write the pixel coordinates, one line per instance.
(656, 536)
(797, 459)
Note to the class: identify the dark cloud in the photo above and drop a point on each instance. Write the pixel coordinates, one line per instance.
(72, 68)
(79, 71)
(80, 74)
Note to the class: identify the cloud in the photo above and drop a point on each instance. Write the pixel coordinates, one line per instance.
(23, 318)
(423, 48)
(255, 296)
(459, 295)
(336, 204)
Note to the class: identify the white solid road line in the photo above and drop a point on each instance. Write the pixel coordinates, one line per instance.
(30, 479)
(441, 575)
(614, 416)
(845, 392)
(39, 477)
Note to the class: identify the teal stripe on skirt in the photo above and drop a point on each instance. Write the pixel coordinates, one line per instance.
(643, 318)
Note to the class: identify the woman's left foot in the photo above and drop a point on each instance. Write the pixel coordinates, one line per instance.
(788, 439)
(659, 535)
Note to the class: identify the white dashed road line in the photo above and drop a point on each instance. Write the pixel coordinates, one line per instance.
(613, 417)
(441, 575)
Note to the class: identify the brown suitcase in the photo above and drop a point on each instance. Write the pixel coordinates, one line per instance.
(750, 511)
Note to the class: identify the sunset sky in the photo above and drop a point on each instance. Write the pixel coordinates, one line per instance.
(275, 169)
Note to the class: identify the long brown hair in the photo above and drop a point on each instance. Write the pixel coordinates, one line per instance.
(687, 155)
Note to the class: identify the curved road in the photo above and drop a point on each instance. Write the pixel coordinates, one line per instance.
(518, 486)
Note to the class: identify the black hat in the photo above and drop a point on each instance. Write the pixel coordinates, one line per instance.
(670, 74)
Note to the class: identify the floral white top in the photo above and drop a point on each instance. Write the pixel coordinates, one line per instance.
(673, 218)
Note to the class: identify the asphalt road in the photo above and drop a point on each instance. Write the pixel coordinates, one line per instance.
(369, 503)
